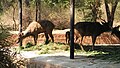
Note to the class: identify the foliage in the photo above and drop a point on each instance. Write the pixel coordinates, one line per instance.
(8, 58)
(57, 11)
(90, 9)
(58, 3)
(5, 59)
(3, 32)
(3, 35)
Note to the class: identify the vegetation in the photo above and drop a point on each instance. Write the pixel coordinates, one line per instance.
(109, 53)
(8, 58)
(56, 11)
(46, 49)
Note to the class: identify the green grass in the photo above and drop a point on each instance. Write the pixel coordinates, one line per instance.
(46, 49)
(109, 53)
(90, 53)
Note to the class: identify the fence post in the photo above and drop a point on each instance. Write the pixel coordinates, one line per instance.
(72, 29)
(20, 20)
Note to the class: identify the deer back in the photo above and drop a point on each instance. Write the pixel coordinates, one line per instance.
(91, 28)
(47, 25)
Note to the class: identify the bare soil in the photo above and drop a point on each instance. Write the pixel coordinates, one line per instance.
(59, 36)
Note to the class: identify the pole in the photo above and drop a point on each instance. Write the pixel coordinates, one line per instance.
(72, 29)
(36, 5)
(20, 20)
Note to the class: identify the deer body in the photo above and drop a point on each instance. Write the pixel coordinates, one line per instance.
(35, 28)
(93, 29)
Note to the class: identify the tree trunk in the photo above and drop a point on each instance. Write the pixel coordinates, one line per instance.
(95, 9)
(38, 10)
(14, 24)
(36, 5)
(110, 14)
(113, 11)
(28, 19)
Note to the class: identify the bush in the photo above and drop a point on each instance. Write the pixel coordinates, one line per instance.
(8, 58)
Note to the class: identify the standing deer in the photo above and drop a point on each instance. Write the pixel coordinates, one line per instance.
(93, 29)
(35, 28)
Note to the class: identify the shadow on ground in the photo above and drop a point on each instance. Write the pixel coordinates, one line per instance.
(109, 52)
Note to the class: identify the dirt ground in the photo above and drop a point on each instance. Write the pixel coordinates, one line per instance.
(59, 36)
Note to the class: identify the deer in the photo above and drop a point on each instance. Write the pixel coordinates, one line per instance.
(37, 27)
(93, 29)
(67, 36)
(115, 31)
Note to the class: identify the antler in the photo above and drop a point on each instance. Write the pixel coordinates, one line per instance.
(103, 20)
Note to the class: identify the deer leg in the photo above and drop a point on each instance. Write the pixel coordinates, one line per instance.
(81, 39)
(81, 45)
(67, 35)
(50, 34)
(35, 39)
(47, 38)
(66, 40)
(93, 41)
(76, 39)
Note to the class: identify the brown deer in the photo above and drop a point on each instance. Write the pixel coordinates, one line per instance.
(93, 29)
(35, 28)
(115, 31)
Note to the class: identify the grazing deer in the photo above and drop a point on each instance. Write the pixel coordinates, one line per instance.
(116, 31)
(35, 28)
(93, 29)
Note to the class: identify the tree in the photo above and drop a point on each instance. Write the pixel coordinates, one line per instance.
(27, 19)
(95, 10)
(110, 11)
(90, 9)
(38, 10)
(27, 2)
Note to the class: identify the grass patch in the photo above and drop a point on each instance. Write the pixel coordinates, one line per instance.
(90, 53)
(46, 49)
(109, 53)
(112, 55)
